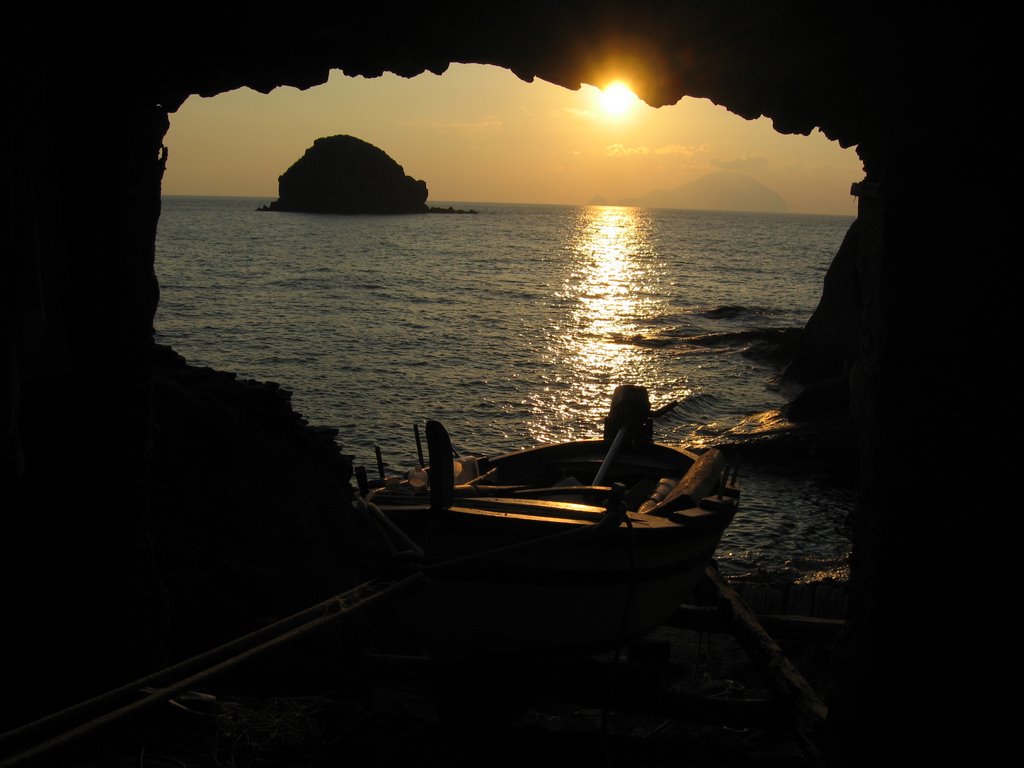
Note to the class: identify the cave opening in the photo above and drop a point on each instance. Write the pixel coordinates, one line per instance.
(347, 314)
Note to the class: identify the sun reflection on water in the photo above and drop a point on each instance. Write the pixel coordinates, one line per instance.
(612, 298)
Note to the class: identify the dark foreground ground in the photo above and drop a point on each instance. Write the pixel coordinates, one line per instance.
(317, 705)
(309, 707)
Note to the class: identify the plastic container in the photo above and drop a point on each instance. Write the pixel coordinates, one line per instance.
(465, 469)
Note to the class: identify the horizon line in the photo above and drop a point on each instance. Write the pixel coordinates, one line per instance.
(553, 205)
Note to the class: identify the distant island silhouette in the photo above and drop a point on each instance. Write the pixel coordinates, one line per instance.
(718, 191)
(344, 174)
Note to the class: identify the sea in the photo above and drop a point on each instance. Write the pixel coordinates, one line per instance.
(512, 326)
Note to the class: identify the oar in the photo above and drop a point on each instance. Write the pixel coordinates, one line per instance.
(609, 458)
(419, 445)
(441, 473)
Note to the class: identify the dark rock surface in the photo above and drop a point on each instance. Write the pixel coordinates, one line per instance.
(80, 292)
(830, 342)
(343, 174)
(449, 209)
(245, 495)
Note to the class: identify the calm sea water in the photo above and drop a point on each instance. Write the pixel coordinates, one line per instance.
(512, 326)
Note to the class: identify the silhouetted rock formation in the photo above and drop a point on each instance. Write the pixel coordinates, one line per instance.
(245, 495)
(449, 209)
(343, 174)
(830, 341)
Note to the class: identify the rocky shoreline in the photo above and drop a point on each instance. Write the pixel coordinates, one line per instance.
(449, 209)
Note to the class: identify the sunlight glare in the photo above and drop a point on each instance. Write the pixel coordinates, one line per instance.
(612, 295)
(617, 98)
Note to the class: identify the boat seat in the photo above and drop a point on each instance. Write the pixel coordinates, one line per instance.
(564, 490)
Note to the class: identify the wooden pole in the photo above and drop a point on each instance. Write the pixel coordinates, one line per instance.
(419, 444)
(784, 679)
(609, 459)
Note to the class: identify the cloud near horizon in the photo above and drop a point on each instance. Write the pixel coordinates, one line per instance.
(682, 151)
(685, 150)
(620, 150)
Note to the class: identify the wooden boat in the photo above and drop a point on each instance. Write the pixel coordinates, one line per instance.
(574, 546)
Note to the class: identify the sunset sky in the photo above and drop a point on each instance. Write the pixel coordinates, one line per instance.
(480, 134)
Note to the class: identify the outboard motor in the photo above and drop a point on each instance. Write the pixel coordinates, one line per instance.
(631, 408)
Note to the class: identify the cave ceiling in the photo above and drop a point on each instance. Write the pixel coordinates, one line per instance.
(799, 63)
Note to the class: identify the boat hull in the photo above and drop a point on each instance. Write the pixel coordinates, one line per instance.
(551, 574)
(527, 605)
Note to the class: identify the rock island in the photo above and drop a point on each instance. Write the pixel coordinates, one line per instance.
(343, 174)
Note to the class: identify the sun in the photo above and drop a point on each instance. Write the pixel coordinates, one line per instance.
(617, 98)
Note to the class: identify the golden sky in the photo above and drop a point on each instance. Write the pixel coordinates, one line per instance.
(480, 134)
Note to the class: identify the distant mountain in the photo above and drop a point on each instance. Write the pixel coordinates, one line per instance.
(718, 191)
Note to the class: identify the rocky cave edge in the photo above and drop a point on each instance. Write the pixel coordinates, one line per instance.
(90, 597)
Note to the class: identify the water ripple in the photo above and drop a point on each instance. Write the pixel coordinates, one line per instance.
(513, 326)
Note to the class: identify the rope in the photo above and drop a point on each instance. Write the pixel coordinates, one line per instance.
(387, 528)
(236, 652)
(240, 650)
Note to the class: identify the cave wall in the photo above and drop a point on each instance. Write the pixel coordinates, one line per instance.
(81, 171)
(80, 291)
